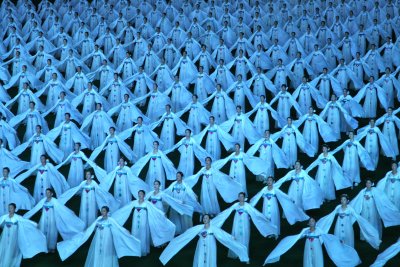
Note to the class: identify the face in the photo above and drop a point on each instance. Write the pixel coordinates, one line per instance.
(297, 166)
(237, 148)
(104, 212)
(343, 200)
(88, 176)
(11, 209)
(368, 184)
(155, 145)
(394, 166)
(141, 195)
(270, 181)
(5, 172)
(206, 219)
(49, 194)
(179, 177)
(187, 133)
(156, 185)
(241, 197)
(121, 162)
(43, 160)
(311, 222)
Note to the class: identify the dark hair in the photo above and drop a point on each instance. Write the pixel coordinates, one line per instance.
(106, 208)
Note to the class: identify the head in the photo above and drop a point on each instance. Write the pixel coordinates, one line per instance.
(206, 219)
(242, 197)
(11, 208)
(157, 185)
(141, 194)
(104, 211)
(208, 161)
(179, 176)
(6, 171)
(49, 193)
(368, 183)
(344, 199)
(270, 181)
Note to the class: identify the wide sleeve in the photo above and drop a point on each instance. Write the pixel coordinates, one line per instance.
(169, 167)
(262, 224)
(57, 180)
(162, 230)
(67, 247)
(104, 198)
(386, 148)
(283, 246)
(179, 242)
(177, 205)
(254, 148)
(68, 224)
(122, 214)
(386, 255)
(325, 222)
(226, 139)
(341, 254)
(223, 216)
(292, 212)
(303, 145)
(226, 186)
(136, 184)
(369, 232)
(388, 212)
(250, 131)
(364, 157)
(279, 156)
(31, 240)
(228, 241)
(67, 195)
(312, 194)
(254, 164)
(125, 244)
(325, 130)
(52, 150)
(341, 181)
(21, 196)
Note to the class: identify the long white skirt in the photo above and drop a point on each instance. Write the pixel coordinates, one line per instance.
(186, 161)
(213, 145)
(325, 180)
(313, 255)
(351, 164)
(141, 230)
(240, 230)
(208, 196)
(75, 174)
(47, 226)
(344, 230)
(296, 192)
(289, 147)
(10, 255)
(370, 103)
(168, 134)
(370, 213)
(206, 252)
(102, 251)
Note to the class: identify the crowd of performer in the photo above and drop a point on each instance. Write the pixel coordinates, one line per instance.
(129, 104)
